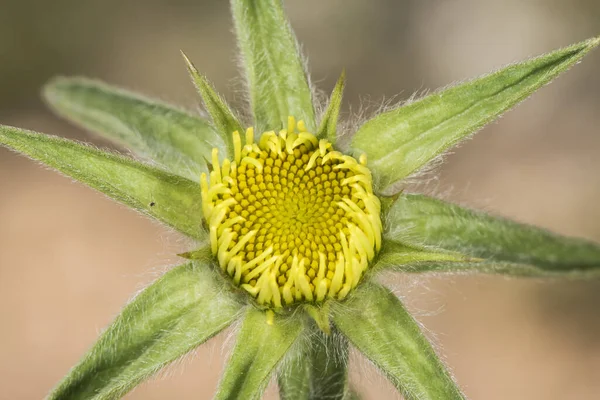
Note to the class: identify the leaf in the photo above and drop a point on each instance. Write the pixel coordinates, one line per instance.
(274, 69)
(328, 128)
(222, 116)
(178, 312)
(401, 141)
(175, 139)
(377, 323)
(405, 258)
(424, 221)
(171, 199)
(316, 370)
(260, 346)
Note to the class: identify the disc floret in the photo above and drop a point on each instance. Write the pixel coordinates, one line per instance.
(291, 219)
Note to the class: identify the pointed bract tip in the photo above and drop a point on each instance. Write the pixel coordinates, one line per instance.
(199, 254)
(188, 62)
(321, 317)
(588, 45)
(341, 82)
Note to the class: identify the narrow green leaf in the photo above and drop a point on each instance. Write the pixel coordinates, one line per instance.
(274, 69)
(328, 127)
(222, 116)
(423, 221)
(181, 310)
(488, 267)
(377, 323)
(259, 348)
(317, 369)
(399, 142)
(401, 257)
(173, 138)
(171, 199)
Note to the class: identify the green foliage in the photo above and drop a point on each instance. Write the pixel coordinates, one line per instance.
(376, 322)
(193, 302)
(175, 139)
(394, 255)
(317, 369)
(328, 127)
(401, 141)
(507, 247)
(222, 116)
(259, 348)
(178, 312)
(277, 83)
(171, 199)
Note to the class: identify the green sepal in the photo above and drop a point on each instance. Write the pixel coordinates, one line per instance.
(199, 254)
(262, 342)
(328, 127)
(487, 267)
(517, 249)
(317, 368)
(277, 82)
(222, 116)
(173, 138)
(387, 202)
(401, 141)
(171, 199)
(320, 315)
(378, 325)
(405, 258)
(181, 310)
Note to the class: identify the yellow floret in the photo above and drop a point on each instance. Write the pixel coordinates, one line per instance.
(290, 219)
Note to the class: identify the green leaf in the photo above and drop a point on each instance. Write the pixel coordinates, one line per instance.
(175, 139)
(181, 310)
(317, 369)
(423, 221)
(171, 199)
(377, 323)
(274, 69)
(260, 346)
(328, 128)
(222, 116)
(401, 257)
(399, 142)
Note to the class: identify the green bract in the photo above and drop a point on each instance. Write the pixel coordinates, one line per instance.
(303, 342)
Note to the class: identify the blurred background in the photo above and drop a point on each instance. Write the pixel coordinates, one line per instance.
(69, 258)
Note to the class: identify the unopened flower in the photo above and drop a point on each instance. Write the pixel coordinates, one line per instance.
(289, 218)
(290, 225)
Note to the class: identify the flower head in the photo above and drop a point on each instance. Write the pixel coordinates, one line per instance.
(289, 229)
(290, 219)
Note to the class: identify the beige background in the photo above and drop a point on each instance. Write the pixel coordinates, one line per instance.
(69, 258)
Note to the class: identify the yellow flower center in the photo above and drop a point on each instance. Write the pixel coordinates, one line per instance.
(290, 219)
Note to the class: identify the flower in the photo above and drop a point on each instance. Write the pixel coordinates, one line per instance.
(293, 226)
(289, 218)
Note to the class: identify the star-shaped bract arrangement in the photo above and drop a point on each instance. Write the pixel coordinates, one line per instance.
(292, 226)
